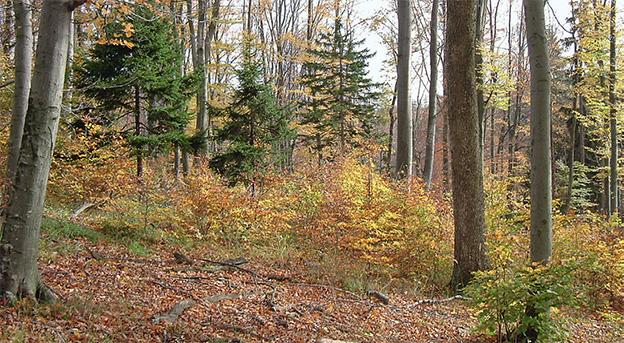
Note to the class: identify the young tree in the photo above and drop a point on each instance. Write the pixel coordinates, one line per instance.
(19, 246)
(466, 161)
(254, 123)
(433, 94)
(404, 103)
(23, 68)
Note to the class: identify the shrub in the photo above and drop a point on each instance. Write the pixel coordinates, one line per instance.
(501, 297)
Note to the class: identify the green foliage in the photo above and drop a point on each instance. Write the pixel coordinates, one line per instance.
(340, 107)
(254, 128)
(56, 230)
(148, 66)
(502, 295)
(581, 186)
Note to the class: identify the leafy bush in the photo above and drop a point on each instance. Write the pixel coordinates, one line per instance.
(502, 296)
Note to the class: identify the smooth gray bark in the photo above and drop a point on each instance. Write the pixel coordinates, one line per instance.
(466, 157)
(541, 169)
(433, 94)
(23, 70)
(19, 248)
(404, 154)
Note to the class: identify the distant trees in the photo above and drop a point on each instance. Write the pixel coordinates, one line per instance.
(466, 162)
(404, 102)
(19, 245)
(340, 107)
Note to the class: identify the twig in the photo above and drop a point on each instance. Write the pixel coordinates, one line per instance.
(436, 301)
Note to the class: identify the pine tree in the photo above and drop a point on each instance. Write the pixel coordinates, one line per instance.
(254, 126)
(340, 107)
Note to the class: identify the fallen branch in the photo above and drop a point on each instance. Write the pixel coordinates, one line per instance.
(436, 301)
(175, 312)
(85, 207)
(382, 298)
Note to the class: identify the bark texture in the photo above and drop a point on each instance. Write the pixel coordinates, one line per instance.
(23, 70)
(433, 94)
(466, 158)
(541, 165)
(613, 163)
(19, 247)
(404, 154)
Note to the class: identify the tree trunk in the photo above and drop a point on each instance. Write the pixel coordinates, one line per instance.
(466, 157)
(479, 73)
(404, 105)
(541, 165)
(137, 130)
(541, 172)
(23, 69)
(391, 126)
(19, 248)
(433, 90)
(614, 201)
(202, 92)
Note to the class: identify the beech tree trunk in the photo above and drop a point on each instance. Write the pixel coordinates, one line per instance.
(541, 165)
(614, 201)
(541, 171)
(23, 70)
(433, 90)
(202, 91)
(466, 157)
(19, 247)
(404, 155)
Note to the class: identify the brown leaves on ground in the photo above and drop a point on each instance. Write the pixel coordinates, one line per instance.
(116, 298)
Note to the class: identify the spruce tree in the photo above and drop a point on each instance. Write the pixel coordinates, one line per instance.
(254, 126)
(340, 107)
(136, 67)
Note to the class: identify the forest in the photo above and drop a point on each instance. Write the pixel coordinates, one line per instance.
(330, 171)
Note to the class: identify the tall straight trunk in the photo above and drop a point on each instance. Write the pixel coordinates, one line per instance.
(518, 101)
(391, 126)
(541, 165)
(479, 73)
(191, 27)
(202, 91)
(466, 157)
(614, 201)
(23, 70)
(573, 128)
(210, 37)
(137, 130)
(404, 104)
(433, 90)
(541, 172)
(19, 247)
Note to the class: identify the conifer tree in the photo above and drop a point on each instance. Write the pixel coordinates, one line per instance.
(254, 125)
(340, 109)
(136, 66)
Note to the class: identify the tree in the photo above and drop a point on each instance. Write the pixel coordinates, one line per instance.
(433, 94)
(466, 161)
(23, 68)
(341, 106)
(613, 163)
(254, 123)
(19, 246)
(142, 73)
(404, 103)
(541, 169)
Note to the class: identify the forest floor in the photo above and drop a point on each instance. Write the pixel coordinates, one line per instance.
(111, 295)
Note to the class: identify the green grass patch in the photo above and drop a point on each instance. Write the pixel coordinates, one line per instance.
(58, 230)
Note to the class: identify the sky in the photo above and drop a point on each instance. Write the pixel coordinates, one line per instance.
(366, 8)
